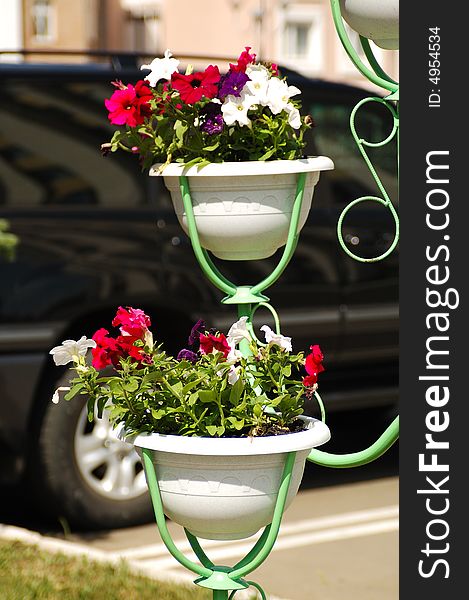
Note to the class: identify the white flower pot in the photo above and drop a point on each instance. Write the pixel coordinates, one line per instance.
(377, 20)
(226, 488)
(243, 209)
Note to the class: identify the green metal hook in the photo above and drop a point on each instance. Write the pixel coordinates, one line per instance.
(357, 459)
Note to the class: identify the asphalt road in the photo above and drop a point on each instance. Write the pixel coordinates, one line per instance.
(338, 541)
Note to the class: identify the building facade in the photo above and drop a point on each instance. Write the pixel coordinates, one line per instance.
(298, 34)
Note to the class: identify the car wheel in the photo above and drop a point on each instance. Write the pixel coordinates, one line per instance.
(84, 473)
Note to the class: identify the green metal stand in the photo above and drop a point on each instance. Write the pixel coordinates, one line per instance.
(222, 580)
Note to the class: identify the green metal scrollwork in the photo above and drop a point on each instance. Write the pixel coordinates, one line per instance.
(384, 200)
(377, 76)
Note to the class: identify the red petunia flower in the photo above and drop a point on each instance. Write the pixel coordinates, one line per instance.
(133, 321)
(313, 366)
(129, 105)
(244, 60)
(193, 88)
(126, 348)
(106, 351)
(110, 351)
(210, 342)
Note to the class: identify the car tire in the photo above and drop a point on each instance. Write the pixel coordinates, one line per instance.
(83, 473)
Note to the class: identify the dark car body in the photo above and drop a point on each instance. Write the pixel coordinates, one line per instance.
(95, 233)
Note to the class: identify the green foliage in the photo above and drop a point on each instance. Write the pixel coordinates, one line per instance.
(202, 399)
(176, 136)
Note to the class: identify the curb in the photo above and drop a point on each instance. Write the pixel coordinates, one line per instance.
(50, 544)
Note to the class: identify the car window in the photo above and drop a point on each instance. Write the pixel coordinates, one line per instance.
(50, 138)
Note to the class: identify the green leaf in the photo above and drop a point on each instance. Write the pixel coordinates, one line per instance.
(202, 163)
(74, 391)
(177, 389)
(192, 162)
(192, 384)
(152, 376)
(158, 413)
(100, 404)
(238, 424)
(207, 396)
(236, 391)
(258, 410)
(131, 386)
(215, 430)
(267, 154)
(180, 129)
(211, 148)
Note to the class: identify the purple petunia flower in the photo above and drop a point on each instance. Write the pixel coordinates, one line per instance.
(213, 124)
(198, 328)
(232, 83)
(185, 354)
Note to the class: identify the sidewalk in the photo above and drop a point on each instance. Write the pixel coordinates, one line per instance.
(336, 543)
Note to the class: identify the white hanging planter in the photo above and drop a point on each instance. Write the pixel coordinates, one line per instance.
(226, 488)
(377, 20)
(243, 209)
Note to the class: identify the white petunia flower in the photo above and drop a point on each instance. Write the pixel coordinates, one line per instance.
(233, 375)
(70, 350)
(161, 68)
(257, 68)
(279, 94)
(238, 331)
(259, 84)
(56, 396)
(233, 355)
(275, 338)
(235, 109)
(294, 118)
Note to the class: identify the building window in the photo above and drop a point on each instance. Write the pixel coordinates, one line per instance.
(42, 14)
(297, 40)
(301, 38)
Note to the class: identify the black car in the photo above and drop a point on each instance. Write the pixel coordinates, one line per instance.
(95, 233)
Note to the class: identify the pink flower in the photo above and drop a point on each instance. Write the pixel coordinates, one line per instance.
(133, 321)
(313, 366)
(210, 342)
(129, 105)
(110, 351)
(244, 60)
(105, 353)
(193, 88)
(126, 348)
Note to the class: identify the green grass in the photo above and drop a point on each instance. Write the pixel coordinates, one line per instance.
(27, 573)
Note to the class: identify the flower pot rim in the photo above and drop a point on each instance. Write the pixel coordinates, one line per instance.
(317, 433)
(252, 167)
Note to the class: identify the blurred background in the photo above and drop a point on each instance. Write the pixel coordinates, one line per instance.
(298, 34)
